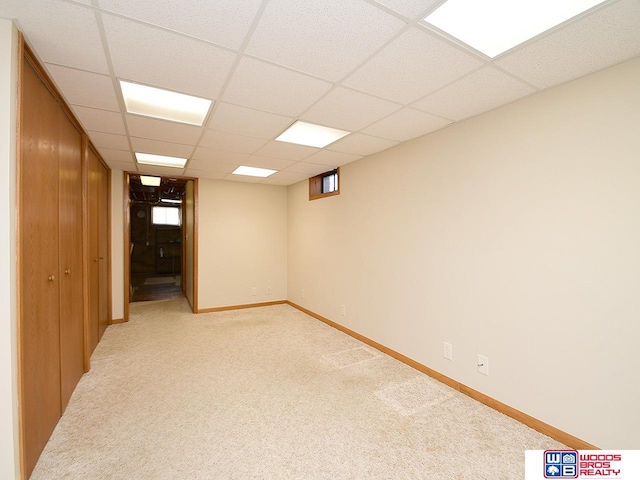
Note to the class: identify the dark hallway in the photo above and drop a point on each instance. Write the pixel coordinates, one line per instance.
(156, 238)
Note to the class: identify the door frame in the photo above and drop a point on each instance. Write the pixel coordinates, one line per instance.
(127, 244)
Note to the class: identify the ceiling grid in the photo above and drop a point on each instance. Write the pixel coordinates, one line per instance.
(370, 67)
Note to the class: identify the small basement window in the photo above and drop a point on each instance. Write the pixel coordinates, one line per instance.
(324, 185)
(166, 216)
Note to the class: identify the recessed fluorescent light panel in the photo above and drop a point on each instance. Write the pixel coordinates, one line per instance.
(160, 160)
(253, 171)
(311, 135)
(159, 103)
(150, 181)
(495, 26)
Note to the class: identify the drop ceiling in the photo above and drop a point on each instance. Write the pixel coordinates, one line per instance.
(366, 66)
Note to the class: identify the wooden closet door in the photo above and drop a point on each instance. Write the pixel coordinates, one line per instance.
(103, 248)
(98, 209)
(39, 334)
(93, 198)
(70, 248)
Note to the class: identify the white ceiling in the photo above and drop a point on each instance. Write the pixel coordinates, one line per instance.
(362, 65)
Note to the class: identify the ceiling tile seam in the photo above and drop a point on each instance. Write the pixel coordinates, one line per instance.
(398, 15)
(114, 81)
(55, 64)
(454, 42)
(389, 11)
(160, 27)
(239, 54)
(339, 83)
(475, 70)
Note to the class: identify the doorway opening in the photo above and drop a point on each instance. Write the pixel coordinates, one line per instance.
(157, 234)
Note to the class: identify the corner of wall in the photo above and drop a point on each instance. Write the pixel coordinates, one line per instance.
(9, 437)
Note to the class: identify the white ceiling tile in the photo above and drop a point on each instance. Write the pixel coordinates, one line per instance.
(278, 90)
(279, 181)
(332, 159)
(190, 172)
(606, 37)
(163, 130)
(309, 169)
(242, 178)
(209, 155)
(212, 166)
(161, 171)
(349, 109)
(109, 140)
(231, 142)
(266, 162)
(246, 121)
(410, 67)
(225, 22)
(478, 92)
(125, 167)
(287, 151)
(360, 144)
(413, 9)
(100, 120)
(144, 145)
(406, 124)
(61, 33)
(327, 39)
(286, 175)
(156, 57)
(117, 156)
(84, 88)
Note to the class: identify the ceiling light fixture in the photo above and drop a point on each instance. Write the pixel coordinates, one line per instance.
(160, 160)
(303, 133)
(164, 104)
(495, 26)
(150, 181)
(253, 171)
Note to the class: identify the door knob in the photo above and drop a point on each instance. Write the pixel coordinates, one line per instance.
(51, 278)
(67, 271)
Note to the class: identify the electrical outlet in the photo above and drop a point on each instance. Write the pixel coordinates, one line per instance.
(343, 310)
(254, 291)
(447, 350)
(268, 290)
(483, 365)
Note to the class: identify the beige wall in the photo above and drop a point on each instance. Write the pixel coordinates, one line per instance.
(242, 243)
(188, 225)
(515, 235)
(9, 468)
(117, 244)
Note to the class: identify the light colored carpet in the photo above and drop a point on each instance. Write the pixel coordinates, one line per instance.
(159, 280)
(269, 393)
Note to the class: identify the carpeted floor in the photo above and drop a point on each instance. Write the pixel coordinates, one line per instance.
(269, 393)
